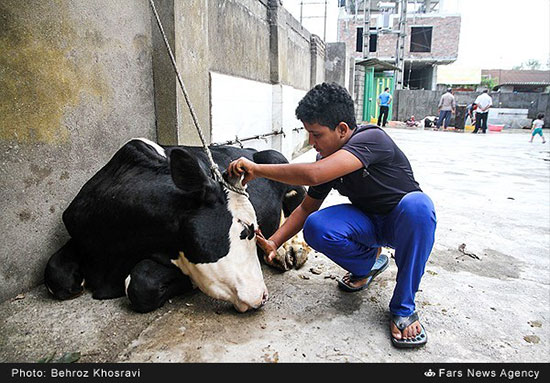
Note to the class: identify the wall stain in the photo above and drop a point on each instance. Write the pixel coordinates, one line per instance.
(44, 67)
(24, 215)
(38, 174)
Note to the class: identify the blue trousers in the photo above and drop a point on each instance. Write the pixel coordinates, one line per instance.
(351, 239)
(444, 115)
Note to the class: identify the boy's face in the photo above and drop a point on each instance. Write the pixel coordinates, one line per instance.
(325, 140)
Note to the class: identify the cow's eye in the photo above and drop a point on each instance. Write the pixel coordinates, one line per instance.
(248, 231)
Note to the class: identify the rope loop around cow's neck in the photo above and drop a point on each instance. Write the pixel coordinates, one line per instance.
(216, 174)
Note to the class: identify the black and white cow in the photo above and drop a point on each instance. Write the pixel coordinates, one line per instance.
(153, 223)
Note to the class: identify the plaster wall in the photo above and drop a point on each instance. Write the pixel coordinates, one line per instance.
(75, 84)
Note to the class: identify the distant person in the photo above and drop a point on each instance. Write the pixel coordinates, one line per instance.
(471, 112)
(537, 127)
(446, 108)
(384, 100)
(483, 103)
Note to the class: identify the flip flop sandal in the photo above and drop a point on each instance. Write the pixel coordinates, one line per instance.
(404, 322)
(380, 265)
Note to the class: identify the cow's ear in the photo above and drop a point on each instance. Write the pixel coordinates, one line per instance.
(192, 176)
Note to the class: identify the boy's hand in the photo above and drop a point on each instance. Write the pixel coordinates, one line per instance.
(240, 167)
(268, 247)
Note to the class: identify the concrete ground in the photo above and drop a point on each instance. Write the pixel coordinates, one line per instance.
(491, 193)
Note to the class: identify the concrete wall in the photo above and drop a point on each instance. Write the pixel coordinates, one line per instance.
(359, 91)
(421, 103)
(256, 84)
(240, 107)
(292, 50)
(80, 78)
(317, 60)
(249, 44)
(336, 64)
(76, 83)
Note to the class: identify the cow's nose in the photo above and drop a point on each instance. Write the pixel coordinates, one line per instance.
(243, 307)
(265, 297)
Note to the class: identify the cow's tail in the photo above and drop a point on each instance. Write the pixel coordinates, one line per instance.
(293, 198)
(62, 275)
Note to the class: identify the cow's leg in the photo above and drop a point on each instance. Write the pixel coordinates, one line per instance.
(151, 283)
(62, 275)
(293, 253)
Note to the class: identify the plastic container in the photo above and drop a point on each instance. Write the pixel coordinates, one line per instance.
(495, 128)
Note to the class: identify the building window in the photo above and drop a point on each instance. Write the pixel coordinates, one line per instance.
(373, 40)
(421, 39)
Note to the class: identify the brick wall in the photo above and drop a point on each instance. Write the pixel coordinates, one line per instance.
(445, 38)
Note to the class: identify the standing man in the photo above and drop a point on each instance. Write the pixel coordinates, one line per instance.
(387, 207)
(446, 107)
(384, 100)
(483, 102)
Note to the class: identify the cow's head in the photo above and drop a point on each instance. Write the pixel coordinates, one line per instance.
(218, 234)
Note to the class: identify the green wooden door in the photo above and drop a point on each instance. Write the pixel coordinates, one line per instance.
(368, 100)
(375, 83)
(381, 81)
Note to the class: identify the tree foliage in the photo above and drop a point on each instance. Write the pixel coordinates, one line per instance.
(531, 64)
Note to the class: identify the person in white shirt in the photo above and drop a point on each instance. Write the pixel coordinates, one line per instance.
(537, 127)
(483, 102)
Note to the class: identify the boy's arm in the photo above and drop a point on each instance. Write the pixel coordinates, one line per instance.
(292, 225)
(308, 174)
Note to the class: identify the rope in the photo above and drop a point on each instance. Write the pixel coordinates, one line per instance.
(240, 141)
(216, 174)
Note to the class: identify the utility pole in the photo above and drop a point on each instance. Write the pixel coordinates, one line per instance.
(325, 23)
(400, 46)
(315, 17)
(366, 28)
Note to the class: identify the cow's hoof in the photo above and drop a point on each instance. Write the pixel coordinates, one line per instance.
(64, 295)
(300, 257)
(292, 255)
(281, 260)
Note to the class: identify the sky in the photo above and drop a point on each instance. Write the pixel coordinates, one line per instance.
(494, 34)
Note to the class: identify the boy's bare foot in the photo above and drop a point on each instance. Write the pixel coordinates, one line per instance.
(408, 333)
(353, 282)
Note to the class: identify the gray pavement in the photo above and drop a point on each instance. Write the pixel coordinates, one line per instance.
(491, 192)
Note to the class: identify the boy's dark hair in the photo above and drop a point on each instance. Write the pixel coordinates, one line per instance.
(327, 105)
(540, 116)
(386, 89)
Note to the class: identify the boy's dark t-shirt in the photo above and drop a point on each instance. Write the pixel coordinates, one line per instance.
(385, 178)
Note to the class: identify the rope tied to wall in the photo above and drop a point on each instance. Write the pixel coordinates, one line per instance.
(239, 141)
(216, 174)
